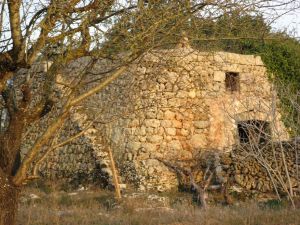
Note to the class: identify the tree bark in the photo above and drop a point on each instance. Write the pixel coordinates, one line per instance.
(9, 194)
(10, 143)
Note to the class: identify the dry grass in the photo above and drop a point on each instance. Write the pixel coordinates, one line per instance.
(99, 208)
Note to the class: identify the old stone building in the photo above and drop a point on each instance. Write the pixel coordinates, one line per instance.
(185, 101)
(170, 104)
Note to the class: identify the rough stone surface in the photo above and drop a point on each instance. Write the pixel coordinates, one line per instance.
(263, 167)
(171, 104)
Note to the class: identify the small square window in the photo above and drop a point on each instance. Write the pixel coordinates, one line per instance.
(232, 81)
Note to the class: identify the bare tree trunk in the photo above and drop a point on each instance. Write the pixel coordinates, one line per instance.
(202, 196)
(8, 200)
(10, 142)
(227, 198)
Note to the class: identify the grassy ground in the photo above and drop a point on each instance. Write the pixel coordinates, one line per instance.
(98, 207)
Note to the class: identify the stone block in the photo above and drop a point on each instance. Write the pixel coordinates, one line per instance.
(201, 124)
(175, 88)
(171, 131)
(168, 87)
(169, 94)
(179, 116)
(175, 145)
(174, 102)
(177, 124)
(142, 139)
(192, 94)
(154, 138)
(156, 155)
(150, 130)
(150, 171)
(129, 156)
(162, 80)
(198, 141)
(133, 146)
(172, 77)
(199, 131)
(150, 115)
(184, 132)
(186, 154)
(169, 138)
(141, 70)
(188, 115)
(142, 131)
(166, 123)
(149, 147)
(169, 115)
(152, 123)
(160, 115)
(220, 58)
(182, 94)
(219, 76)
(160, 131)
(161, 87)
(152, 163)
(186, 125)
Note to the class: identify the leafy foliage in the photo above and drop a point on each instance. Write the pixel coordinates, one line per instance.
(283, 60)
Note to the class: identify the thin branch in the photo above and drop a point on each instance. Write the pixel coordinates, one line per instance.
(1, 16)
(99, 87)
(15, 25)
(52, 148)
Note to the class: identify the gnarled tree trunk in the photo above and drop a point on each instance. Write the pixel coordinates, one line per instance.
(10, 142)
(8, 200)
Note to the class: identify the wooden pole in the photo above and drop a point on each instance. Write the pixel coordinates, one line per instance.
(115, 176)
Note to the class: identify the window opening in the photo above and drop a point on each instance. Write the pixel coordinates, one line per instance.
(232, 81)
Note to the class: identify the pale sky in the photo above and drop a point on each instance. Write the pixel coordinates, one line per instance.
(291, 22)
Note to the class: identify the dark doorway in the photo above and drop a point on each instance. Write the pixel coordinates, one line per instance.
(254, 131)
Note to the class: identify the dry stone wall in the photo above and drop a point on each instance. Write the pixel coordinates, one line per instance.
(78, 163)
(173, 104)
(264, 167)
(169, 104)
(84, 159)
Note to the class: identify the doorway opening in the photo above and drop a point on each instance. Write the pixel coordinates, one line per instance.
(254, 131)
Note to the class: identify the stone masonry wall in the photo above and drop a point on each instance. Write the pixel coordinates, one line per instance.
(247, 168)
(262, 167)
(169, 104)
(174, 105)
(84, 159)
